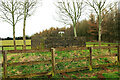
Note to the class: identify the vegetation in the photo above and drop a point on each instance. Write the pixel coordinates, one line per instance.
(28, 8)
(10, 12)
(105, 24)
(10, 42)
(24, 57)
(89, 28)
(70, 12)
(99, 7)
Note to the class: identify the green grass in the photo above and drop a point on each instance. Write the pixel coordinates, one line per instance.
(10, 42)
(90, 44)
(111, 75)
(28, 42)
(90, 74)
(59, 66)
(18, 42)
(18, 48)
(98, 43)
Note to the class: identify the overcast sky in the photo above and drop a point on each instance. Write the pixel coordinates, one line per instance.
(43, 18)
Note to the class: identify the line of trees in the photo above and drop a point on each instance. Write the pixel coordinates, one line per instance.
(16, 38)
(69, 12)
(12, 11)
(99, 8)
(89, 28)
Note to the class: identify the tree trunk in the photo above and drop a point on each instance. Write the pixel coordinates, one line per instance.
(99, 33)
(14, 37)
(24, 24)
(24, 39)
(74, 28)
(13, 23)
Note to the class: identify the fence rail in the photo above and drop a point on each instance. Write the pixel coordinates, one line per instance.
(53, 61)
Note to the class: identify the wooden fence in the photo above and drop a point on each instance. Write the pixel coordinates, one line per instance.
(53, 61)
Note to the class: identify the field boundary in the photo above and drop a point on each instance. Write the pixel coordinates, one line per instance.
(13, 46)
(53, 61)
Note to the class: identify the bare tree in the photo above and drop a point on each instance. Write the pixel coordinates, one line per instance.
(28, 10)
(70, 12)
(99, 7)
(10, 12)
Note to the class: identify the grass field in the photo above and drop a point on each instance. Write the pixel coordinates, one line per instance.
(103, 43)
(23, 57)
(10, 42)
(28, 42)
(90, 44)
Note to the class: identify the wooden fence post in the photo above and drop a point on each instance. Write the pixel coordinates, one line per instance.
(90, 59)
(4, 64)
(93, 45)
(53, 60)
(23, 47)
(118, 57)
(2, 48)
(118, 54)
(109, 49)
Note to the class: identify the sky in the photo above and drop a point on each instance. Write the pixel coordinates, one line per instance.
(43, 18)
